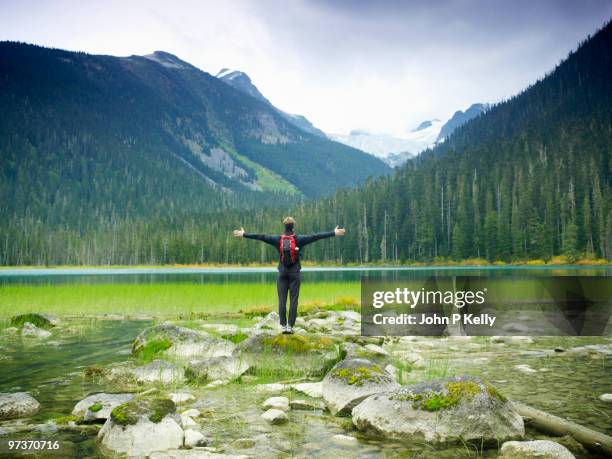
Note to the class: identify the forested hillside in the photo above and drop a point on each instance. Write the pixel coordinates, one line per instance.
(530, 178)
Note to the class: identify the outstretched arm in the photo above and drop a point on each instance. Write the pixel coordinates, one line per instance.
(272, 240)
(305, 240)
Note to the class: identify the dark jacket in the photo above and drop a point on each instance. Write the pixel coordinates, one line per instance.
(300, 241)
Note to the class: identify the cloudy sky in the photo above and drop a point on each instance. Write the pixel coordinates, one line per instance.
(383, 66)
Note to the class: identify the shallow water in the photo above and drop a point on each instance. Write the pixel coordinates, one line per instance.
(569, 388)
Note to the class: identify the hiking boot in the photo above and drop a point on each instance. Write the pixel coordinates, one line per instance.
(285, 329)
(290, 330)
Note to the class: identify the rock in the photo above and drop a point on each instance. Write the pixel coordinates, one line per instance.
(351, 381)
(525, 368)
(32, 331)
(216, 383)
(181, 397)
(38, 320)
(275, 417)
(99, 406)
(187, 421)
(11, 330)
(308, 354)
(441, 411)
(376, 349)
(159, 371)
(140, 427)
(606, 398)
(393, 371)
(272, 388)
(278, 403)
(511, 339)
(271, 322)
(17, 405)
(314, 390)
(225, 368)
(351, 315)
(227, 329)
(304, 405)
(536, 449)
(194, 438)
(181, 342)
(345, 440)
(192, 413)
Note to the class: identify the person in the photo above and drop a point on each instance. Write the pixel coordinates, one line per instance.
(289, 246)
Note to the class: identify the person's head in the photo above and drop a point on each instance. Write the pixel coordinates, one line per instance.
(289, 223)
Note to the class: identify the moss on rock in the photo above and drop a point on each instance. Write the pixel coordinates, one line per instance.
(298, 343)
(36, 319)
(153, 348)
(95, 407)
(359, 375)
(155, 409)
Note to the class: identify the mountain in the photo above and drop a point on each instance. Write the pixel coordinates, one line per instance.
(242, 82)
(530, 178)
(394, 150)
(145, 134)
(460, 118)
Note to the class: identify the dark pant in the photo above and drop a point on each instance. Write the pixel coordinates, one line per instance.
(288, 283)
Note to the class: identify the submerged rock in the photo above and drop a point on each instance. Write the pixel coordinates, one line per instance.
(32, 331)
(99, 406)
(606, 398)
(140, 427)
(38, 320)
(158, 371)
(17, 405)
(275, 417)
(314, 389)
(305, 405)
(194, 438)
(225, 368)
(345, 440)
(181, 397)
(439, 411)
(180, 342)
(536, 449)
(278, 403)
(351, 381)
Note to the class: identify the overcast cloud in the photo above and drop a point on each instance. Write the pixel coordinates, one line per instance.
(383, 66)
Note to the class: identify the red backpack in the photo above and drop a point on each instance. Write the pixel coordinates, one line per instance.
(288, 249)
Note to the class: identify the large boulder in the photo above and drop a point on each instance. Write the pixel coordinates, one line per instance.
(450, 410)
(351, 381)
(17, 405)
(225, 368)
(140, 427)
(158, 371)
(536, 449)
(180, 342)
(301, 354)
(99, 406)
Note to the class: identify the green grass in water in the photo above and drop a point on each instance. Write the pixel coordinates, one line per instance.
(167, 299)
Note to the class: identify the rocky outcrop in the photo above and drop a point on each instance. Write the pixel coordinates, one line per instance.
(17, 405)
(180, 342)
(351, 381)
(140, 427)
(441, 411)
(536, 449)
(99, 406)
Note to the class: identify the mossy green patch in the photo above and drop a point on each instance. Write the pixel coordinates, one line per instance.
(152, 348)
(63, 420)
(95, 407)
(299, 343)
(235, 337)
(359, 375)
(35, 319)
(451, 395)
(93, 371)
(155, 409)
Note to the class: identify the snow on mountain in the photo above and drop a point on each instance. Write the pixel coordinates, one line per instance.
(167, 60)
(399, 147)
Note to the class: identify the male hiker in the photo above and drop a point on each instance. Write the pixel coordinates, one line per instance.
(289, 246)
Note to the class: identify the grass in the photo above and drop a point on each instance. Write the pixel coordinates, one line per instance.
(168, 299)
